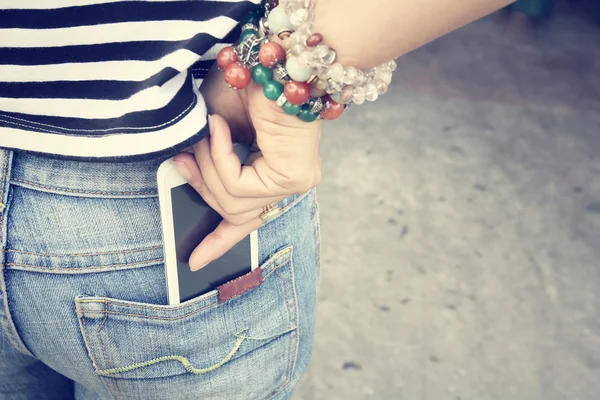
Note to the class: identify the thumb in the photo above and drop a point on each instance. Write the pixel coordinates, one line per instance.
(220, 241)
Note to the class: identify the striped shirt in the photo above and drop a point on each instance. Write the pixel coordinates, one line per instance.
(109, 79)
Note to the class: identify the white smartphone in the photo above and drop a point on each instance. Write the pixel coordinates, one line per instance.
(186, 221)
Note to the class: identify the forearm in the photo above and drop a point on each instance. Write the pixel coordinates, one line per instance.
(368, 33)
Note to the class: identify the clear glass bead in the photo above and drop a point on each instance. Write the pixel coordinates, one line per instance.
(360, 78)
(371, 92)
(305, 58)
(392, 65)
(381, 86)
(358, 96)
(385, 75)
(321, 50)
(304, 29)
(297, 38)
(336, 72)
(330, 57)
(350, 75)
(291, 7)
(333, 87)
(321, 71)
(297, 49)
(299, 17)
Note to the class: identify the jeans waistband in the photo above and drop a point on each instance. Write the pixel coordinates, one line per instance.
(82, 178)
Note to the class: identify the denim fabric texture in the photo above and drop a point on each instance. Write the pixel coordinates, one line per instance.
(83, 299)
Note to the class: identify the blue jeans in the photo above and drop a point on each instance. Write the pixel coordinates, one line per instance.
(82, 293)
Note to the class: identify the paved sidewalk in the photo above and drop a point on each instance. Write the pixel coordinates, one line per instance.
(461, 224)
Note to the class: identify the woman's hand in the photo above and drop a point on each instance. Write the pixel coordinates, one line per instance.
(288, 163)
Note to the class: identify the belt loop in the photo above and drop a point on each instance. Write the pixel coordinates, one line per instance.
(5, 164)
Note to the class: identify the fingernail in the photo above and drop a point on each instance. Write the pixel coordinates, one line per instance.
(197, 268)
(183, 169)
(210, 123)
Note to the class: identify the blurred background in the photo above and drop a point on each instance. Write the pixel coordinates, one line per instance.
(461, 220)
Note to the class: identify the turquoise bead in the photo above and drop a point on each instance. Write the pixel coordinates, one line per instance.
(261, 74)
(273, 90)
(306, 114)
(248, 32)
(291, 109)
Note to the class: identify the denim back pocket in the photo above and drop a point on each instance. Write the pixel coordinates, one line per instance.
(242, 348)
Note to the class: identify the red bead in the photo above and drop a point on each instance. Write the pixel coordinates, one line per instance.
(332, 109)
(237, 76)
(270, 54)
(314, 39)
(296, 92)
(226, 57)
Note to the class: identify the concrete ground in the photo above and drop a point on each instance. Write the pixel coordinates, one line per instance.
(461, 223)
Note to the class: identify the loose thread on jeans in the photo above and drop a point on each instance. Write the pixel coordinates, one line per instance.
(241, 335)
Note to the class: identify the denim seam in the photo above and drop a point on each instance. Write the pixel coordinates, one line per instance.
(280, 259)
(81, 191)
(100, 253)
(289, 352)
(296, 323)
(13, 337)
(288, 207)
(93, 267)
(106, 311)
(95, 364)
(4, 173)
(281, 388)
(107, 360)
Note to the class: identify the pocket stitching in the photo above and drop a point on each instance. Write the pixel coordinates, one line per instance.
(279, 260)
(283, 258)
(91, 354)
(143, 316)
(288, 377)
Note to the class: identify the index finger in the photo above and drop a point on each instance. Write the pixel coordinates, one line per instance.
(220, 241)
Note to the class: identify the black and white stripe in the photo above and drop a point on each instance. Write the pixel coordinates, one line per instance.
(108, 79)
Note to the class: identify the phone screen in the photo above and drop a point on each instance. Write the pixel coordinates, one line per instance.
(193, 220)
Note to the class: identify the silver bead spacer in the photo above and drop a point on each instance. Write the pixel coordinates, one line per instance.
(281, 73)
(249, 26)
(316, 106)
(281, 100)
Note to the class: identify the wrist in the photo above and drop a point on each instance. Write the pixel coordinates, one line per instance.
(229, 104)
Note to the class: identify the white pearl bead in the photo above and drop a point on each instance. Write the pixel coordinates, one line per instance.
(278, 20)
(296, 71)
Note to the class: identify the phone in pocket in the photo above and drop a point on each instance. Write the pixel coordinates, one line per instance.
(186, 220)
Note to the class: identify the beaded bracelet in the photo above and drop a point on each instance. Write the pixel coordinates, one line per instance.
(301, 75)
